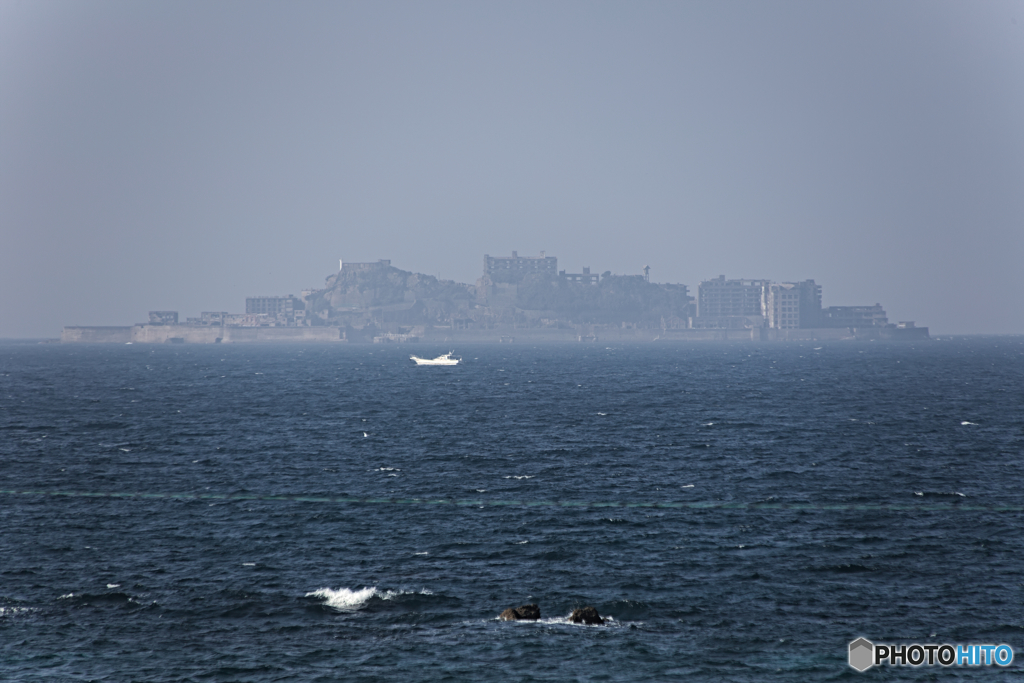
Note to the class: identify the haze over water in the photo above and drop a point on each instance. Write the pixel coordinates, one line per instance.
(184, 155)
(742, 512)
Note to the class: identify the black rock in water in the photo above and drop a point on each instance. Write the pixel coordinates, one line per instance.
(585, 615)
(525, 612)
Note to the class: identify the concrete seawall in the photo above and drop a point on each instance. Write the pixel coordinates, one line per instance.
(613, 335)
(97, 335)
(608, 335)
(193, 334)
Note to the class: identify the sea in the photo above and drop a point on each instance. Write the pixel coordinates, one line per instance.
(737, 512)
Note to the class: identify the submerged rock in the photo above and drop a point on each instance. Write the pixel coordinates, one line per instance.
(586, 615)
(525, 612)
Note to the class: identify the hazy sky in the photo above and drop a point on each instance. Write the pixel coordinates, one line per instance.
(185, 155)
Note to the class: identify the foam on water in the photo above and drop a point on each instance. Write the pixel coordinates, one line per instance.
(348, 600)
(564, 621)
(344, 599)
(12, 611)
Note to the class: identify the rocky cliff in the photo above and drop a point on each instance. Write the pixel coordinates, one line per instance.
(352, 295)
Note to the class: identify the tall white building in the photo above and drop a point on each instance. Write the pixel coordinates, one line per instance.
(721, 298)
(791, 305)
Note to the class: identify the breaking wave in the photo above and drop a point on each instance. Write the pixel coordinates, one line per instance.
(348, 600)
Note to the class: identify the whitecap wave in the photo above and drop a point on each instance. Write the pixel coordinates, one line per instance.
(348, 600)
(965, 422)
(343, 599)
(11, 611)
(525, 476)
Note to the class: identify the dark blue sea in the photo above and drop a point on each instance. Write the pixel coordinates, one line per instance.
(335, 513)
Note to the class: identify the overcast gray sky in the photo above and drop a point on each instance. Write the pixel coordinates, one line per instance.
(185, 155)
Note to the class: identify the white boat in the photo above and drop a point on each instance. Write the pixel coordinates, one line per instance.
(445, 359)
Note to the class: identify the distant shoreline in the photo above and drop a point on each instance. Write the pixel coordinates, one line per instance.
(192, 334)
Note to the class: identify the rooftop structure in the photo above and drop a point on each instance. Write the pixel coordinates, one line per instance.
(269, 305)
(210, 318)
(854, 316)
(286, 310)
(585, 277)
(380, 263)
(516, 267)
(163, 317)
(721, 298)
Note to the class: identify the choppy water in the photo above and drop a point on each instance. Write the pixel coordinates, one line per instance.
(742, 512)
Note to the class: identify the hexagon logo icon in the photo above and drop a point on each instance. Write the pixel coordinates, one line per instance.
(862, 654)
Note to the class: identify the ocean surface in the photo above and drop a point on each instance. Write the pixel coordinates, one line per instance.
(334, 513)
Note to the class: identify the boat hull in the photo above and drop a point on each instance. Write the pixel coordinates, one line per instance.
(446, 359)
